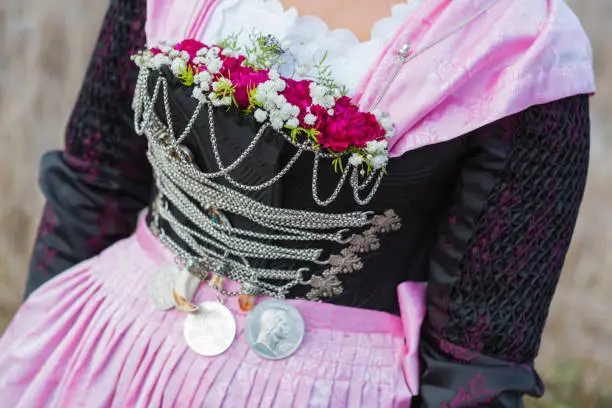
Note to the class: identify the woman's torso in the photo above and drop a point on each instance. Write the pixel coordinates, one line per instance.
(417, 187)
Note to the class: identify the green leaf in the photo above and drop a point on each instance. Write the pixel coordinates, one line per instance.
(186, 76)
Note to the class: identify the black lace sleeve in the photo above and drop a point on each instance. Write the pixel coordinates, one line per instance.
(500, 252)
(95, 188)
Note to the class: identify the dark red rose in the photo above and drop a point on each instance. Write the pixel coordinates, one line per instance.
(349, 127)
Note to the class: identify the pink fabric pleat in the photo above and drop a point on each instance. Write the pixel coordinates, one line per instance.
(90, 338)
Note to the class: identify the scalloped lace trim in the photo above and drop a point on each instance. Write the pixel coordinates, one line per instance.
(310, 37)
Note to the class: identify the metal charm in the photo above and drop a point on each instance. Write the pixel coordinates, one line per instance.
(210, 330)
(161, 283)
(274, 329)
(185, 285)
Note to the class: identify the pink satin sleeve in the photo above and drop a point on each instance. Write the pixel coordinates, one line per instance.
(411, 297)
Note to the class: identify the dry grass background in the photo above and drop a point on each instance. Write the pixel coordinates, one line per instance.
(44, 50)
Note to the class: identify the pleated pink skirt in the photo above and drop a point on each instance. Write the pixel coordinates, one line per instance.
(90, 338)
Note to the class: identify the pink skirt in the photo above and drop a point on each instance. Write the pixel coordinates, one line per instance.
(90, 338)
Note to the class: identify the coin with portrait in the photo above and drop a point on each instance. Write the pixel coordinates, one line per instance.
(274, 329)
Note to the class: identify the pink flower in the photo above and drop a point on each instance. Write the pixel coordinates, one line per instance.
(232, 64)
(344, 105)
(349, 127)
(191, 46)
(298, 93)
(322, 117)
(245, 79)
(156, 50)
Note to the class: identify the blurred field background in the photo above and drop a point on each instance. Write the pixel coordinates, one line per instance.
(44, 49)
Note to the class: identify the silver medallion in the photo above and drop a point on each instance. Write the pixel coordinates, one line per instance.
(211, 329)
(161, 284)
(274, 329)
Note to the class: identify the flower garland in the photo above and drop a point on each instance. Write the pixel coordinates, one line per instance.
(317, 112)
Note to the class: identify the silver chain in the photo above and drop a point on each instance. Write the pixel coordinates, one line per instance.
(145, 119)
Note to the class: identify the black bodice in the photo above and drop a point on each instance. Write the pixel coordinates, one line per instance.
(418, 188)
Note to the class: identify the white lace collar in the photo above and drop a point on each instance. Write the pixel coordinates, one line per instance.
(310, 37)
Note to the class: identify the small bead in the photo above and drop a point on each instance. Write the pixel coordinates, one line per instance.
(246, 302)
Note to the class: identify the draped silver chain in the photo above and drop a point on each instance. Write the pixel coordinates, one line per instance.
(222, 248)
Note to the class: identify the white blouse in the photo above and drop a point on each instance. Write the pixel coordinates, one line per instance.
(308, 37)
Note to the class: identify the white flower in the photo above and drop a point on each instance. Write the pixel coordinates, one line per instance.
(276, 123)
(202, 52)
(160, 60)
(227, 52)
(214, 65)
(269, 105)
(279, 100)
(390, 133)
(198, 94)
(330, 112)
(166, 49)
(141, 60)
(355, 160)
(265, 87)
(378, 162)
(386, 122)
(213, 52)
(295, 110)
(261, 115)
(287, 111)
(185, 55)
(317, 91)
(203, 77)
(216, 101)
(302, 70)
(292, 123)
(327, 101)
(376, 147)
(310, 119)
(178, 65)
(279, 85)
(273, 75)
(173, 53)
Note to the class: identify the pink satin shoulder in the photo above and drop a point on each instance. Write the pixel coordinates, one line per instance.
(517, 54)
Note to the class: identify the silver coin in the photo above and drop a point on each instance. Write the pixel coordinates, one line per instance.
(161, 285)
(274, 329)
(210, 330)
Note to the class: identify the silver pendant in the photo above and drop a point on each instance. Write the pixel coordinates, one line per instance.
(274, 329)
(210, 330)
(161, 284)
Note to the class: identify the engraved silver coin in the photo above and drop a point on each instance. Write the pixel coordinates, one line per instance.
(274, 329)
(161, 284)
(210, 330)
